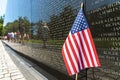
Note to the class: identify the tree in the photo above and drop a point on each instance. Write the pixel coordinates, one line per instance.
(60, 24)
(8, 28)
(1, 26)
(1, 29)
(14, 26)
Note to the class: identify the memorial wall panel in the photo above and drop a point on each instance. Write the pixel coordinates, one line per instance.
(48, 23)
(104, 22)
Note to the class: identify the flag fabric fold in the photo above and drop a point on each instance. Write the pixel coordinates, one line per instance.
(78, 50)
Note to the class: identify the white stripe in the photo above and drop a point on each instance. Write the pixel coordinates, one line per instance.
(91, 48)
(71, 54)
(83, 58)
(68, 60)
(86, 49)
(76, 51)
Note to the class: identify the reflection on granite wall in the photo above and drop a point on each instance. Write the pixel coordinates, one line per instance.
(49, 21)
(104, 23)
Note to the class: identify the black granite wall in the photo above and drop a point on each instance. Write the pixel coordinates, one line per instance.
(57, 17)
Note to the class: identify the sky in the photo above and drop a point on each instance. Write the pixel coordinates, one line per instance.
(2, 7)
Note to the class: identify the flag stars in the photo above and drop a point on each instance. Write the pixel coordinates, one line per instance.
(79, 24)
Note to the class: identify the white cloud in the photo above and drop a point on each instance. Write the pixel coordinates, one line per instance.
(2, 6)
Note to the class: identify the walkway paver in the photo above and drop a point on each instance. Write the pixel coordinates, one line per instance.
(8, 70)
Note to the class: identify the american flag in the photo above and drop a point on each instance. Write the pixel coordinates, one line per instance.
(78, 50)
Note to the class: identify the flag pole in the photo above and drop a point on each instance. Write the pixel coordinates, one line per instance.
(86, 72)
(87, 68)
(76, 78)
(82, 5)
(93, 74)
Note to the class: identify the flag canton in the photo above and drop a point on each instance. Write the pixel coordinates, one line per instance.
(80, 23)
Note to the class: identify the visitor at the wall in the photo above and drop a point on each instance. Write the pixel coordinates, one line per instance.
(12, 36)
(15, 36)
(8, 37)
(44, 33)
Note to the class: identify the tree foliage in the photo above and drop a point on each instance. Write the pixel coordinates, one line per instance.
(60, 24)
(14, 26)
(1, 26)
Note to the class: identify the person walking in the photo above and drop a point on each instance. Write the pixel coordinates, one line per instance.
(44, 33)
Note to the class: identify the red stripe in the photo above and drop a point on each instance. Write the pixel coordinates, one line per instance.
(77, 45)
(84, 53)
(94, 49)
(73, 52)
(88, 47)
(68, 52)
(66, 63)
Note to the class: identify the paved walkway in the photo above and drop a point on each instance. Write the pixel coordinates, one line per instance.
(8, 70)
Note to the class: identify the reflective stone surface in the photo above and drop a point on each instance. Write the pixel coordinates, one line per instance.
(49, 21)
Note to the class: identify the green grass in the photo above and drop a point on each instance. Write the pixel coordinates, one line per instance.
(103, 44)
(51, 42)
(35, 41)
(98, 44)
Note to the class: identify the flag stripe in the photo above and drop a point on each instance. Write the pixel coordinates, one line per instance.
(75, 52)
(72, 53)
(90, 47)
(70, 68)
(78, 51)
(82, 51)
(84, 48)
(94, 49)
(67, 63)
(70, 57)
(91, 61)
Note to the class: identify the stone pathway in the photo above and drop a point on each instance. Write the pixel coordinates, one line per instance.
(8, 70)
